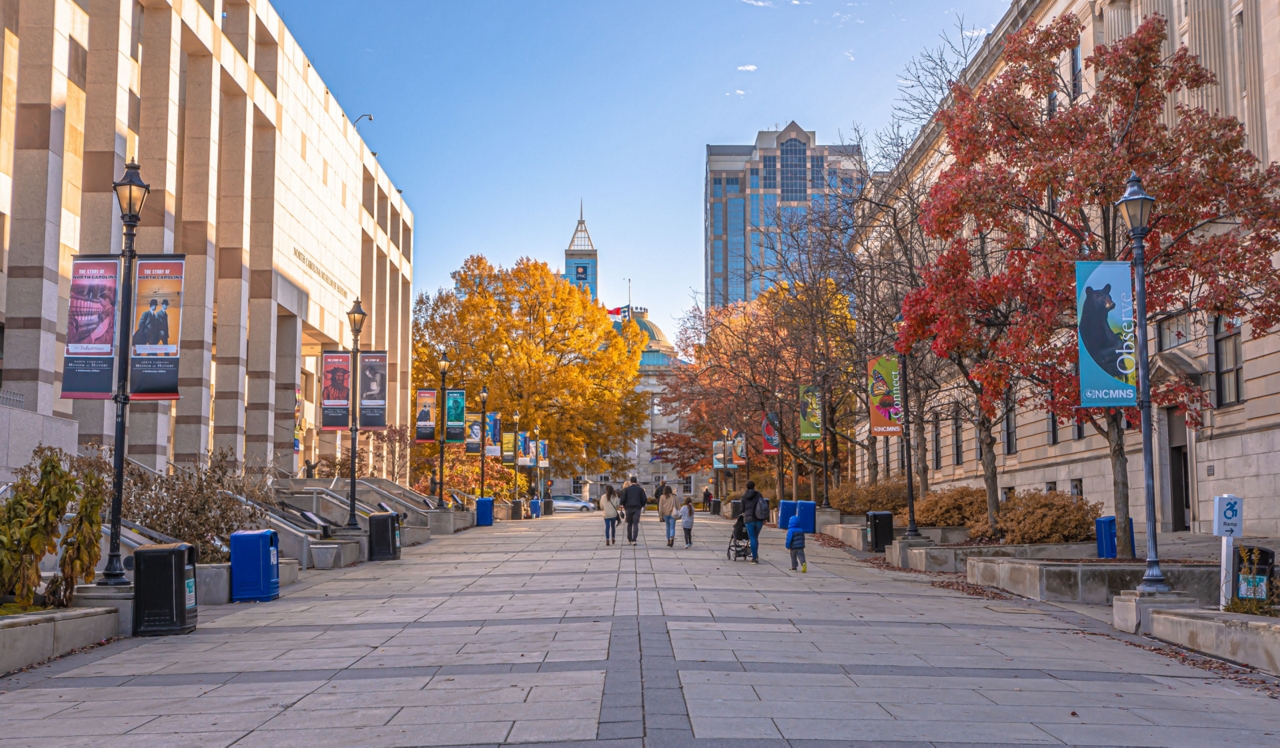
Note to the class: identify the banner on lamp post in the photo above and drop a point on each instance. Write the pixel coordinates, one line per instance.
(455, 416)
(335, 395)
(89, 363)
(157, 328)
(1106, 334)
(524, 454)
(424, 425)
(738, 446)
(771, 444)
(373, 390)
(473, 433)
(543, 457)
(810, 412)
(509, 449)
(884, 393)
(493, 436)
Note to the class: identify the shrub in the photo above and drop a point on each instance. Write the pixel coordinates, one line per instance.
(958, 506)
(1042, 517)
(860, 498)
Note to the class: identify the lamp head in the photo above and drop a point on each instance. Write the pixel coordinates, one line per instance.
(356, 317)
(444, 363)
(516, 418)
(131, 192)
(484, 394)
(1135, 207)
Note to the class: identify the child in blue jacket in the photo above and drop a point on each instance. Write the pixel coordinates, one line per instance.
(795, 544)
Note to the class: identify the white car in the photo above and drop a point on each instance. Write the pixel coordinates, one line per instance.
(564, 503)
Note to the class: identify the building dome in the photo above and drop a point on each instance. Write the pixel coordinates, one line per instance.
(658, 351)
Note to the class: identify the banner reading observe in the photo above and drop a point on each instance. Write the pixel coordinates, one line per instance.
(425, 422)
(89, 362)
(373, 390)
(455, 416)
(335, 395)
(884, 392)
(157, 329)
(810, 412)
(1106, 335)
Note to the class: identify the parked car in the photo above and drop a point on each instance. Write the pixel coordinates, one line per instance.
(565, 503)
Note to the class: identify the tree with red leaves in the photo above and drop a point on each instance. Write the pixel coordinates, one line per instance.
(1037, 167)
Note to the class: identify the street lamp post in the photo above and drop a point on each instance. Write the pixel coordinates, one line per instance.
(515, 456)
(1135, 207)
(484, 431)
(131, 193)
(537, 460)
(777, 431)
(912, 530)
(444, 425)
(356, 317)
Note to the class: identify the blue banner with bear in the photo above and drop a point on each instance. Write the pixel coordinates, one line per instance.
(1107, 335)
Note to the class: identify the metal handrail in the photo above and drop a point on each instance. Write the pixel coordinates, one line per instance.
(151, 470)
(361, 507)
(148, 533)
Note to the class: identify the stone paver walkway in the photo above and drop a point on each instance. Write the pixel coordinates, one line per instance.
(537, 632)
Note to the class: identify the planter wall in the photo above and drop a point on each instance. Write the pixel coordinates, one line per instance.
(1248, 640)
(954, 559)
(1097, 584)
(26, 639)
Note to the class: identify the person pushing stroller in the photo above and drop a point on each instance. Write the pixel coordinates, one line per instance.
(795, 544)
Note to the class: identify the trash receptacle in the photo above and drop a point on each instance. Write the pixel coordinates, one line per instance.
(548, 507)
(714, 507)
(879, 531)
(517, 509)
(1253, 571)
(484, 512)
(807, 511)
(786, 510)
(735, 508)
(384, 536)
(164, 598)
(255, 566)
(535, 508)
(1105, 529)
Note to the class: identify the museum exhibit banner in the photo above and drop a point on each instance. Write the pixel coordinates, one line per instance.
(770, 443)
(493, 438)
(473, 433)
(509, 449)
(543, 459)
(373, 390)
(524, 456)
(89, 363)
(739, 447)
(884, 390)
(810, 412)
(157, 328)
(335, 391)
(424, 425)
(1106, 335)
(455, 416)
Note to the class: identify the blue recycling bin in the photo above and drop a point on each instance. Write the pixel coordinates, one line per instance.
(807, 511)
(255, 566)
(484, 512)
(786, 510)
(535, 508)
(1105, 528)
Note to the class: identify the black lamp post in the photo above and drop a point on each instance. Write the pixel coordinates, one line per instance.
(444, 426)
(1135, 207)
(356, 317)
(912, 530)
(131, 193)
(484, 431)
(515, 455)
(777, 430)
(537, 460)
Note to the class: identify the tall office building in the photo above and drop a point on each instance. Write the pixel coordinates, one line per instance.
(580, 259)
(748, 186)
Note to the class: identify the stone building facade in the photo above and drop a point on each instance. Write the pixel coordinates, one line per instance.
(257, 175)
(1237, 448)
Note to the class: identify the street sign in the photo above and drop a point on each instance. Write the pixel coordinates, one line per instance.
(1228, 516)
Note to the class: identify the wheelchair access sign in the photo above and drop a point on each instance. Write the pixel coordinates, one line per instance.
(1228, 516)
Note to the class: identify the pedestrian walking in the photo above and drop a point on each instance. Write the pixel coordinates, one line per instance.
(755, 510)
(667, 511)
(609, 505)
(795, 544)
(633, 500)
(686, 521)
(706, 498)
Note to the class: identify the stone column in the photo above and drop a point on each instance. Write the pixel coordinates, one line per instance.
(231, 337)
(1207, 38)
(198, 241)
(288, 371)
(260, 402)
(1117, 21)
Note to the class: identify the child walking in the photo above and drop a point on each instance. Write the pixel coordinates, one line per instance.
(686, 522)
(795, 544)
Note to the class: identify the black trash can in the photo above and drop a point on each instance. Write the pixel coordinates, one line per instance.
(517, 509)
(548, 507)
(384, 536)
(714, 507)
(1255, 567)
(735, 508)
(879, 531)
(164, 597)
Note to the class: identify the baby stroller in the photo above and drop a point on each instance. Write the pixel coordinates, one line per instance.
(739, 541)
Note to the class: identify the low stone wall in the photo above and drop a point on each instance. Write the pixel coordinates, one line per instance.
(1248, 640)
(213, 581)
(26, 639)
(464, 520)
(844, 533)
(414, 536)
(954, 559)
(1066, 582)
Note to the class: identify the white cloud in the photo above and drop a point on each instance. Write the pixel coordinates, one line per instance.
(975, 32)
(758, 4)
(747, 68)
(735, 92)
(849, 54)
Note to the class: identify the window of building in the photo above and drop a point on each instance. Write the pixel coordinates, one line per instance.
(717, 256)
(717, 218)
(1228, 364)
(1053, 429)
(755, 179)
(957, 441)
(1172, 332)
(1051, 486)
(937, 442)
(977, 444)
(737, 249)
(846, 185)
(794, 171)
(770, 172)
(817, 164)
(731, 186)
(1010, 431)
(755, 211)
(1006, 493)
(577, 485)
(1077, 73)
(1077, 487)
(902, 456)
(1051, 106)
(717, 187)
(686, 485)
(770, 211)
(887, 464)
(1077, 430)
(718, 286)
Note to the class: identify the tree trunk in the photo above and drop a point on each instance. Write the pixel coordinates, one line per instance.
(795, 478)
(833, 448)
(873, 460)
(988, 440)
(922, 453)
(1119, 482)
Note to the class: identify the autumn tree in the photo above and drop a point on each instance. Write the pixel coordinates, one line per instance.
(544, 348)
(1038, 164)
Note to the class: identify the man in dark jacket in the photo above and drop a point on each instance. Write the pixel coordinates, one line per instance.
(633, 501)
(755, 510)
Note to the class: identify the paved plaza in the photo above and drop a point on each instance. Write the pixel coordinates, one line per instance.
(536, 631)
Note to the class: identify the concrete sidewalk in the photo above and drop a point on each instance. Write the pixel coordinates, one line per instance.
(537, 632)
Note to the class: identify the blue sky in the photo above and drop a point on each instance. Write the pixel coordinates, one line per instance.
(496, 117)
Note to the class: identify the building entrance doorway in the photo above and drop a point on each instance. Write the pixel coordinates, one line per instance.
(1179, 480)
